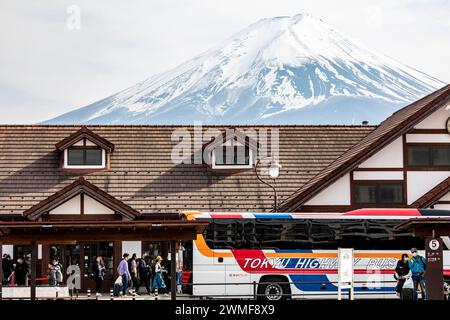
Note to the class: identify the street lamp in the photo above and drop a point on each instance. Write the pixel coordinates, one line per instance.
(274, 171)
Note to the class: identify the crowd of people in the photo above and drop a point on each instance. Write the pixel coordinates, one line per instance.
(137, 272)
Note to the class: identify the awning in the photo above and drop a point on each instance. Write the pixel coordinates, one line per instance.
(24, 232)
(426, 226)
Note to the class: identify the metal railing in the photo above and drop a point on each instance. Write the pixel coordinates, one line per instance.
(364, 288)
(254, 292)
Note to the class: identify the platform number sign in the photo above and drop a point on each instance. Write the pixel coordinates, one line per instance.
(434, 269)
(434, 244)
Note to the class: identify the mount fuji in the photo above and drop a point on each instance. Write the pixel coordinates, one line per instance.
(282, 70)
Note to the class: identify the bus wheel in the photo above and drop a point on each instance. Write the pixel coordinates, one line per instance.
(273, 288)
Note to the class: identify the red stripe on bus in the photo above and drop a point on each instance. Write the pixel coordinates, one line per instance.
(384, 212)
(226, 216)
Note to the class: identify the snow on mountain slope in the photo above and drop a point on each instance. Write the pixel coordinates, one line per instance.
(278, 70)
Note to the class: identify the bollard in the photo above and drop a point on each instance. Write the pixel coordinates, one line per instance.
(56, 294)
(111, 294)
(76, 294)
(89, 294)
(134, 294)
(156, 293)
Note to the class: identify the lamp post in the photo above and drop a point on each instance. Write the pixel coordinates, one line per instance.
(273, 172)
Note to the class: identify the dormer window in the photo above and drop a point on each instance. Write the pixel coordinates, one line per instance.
(233, 157)
(85, 150)
(233, 151)
(82, 157)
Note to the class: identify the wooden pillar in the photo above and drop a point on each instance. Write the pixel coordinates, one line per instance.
(1, 272)
(34, 254)
(173, 271)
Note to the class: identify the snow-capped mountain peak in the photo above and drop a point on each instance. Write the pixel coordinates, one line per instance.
(282, 69)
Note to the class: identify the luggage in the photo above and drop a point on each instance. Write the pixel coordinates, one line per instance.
(117, 289)
(407, 294)
(408, 289)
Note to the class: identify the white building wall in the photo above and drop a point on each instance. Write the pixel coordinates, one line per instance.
(427, 138)
(446, 197)
(337, 193)
(131, 247)
(435, 121)
(420, 182)
(442, 206)
(390, 156)
(378, 175)
(71, 206)
(8, 249)
(92, 206)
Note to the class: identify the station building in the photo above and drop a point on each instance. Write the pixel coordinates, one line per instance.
(88, 183)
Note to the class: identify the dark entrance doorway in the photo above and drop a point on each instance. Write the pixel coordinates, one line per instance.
(83, 255)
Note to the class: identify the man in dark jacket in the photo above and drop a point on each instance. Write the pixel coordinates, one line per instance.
(7, 267)
(21, 272)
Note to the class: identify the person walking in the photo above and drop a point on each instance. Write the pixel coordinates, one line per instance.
(21, 272)
(99, 270)
(7, 267)
(417, 264)
(401, 271)
(123, 272)
(144, 273)
(158, 281)
(55, 270)
(133, 265)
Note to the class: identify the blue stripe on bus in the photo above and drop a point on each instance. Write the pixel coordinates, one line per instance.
(303, 285)
(272, 216)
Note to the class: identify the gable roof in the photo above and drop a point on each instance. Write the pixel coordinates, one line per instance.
(143, 176)
(82, 133)
(77, 187)
(430, 198)
(390, 129)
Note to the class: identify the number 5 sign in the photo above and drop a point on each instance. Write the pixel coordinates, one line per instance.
(434, 269)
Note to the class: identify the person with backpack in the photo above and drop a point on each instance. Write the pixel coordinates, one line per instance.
(401, 271)
(133, 268)
(417, 264)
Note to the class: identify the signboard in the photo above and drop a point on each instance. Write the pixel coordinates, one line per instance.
(345, 257)
(434, 274)
(345, 275)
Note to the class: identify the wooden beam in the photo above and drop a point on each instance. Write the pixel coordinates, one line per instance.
(173, 271)
(34, 253)
(61, 236)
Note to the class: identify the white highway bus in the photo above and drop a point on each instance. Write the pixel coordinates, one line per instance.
(294, 255)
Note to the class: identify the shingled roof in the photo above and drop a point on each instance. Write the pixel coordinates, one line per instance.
(143, 177)
(390, 129)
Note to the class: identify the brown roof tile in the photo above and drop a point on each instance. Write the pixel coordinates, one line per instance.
(143, 176)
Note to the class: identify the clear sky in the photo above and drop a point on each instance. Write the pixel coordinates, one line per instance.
(49, 66)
